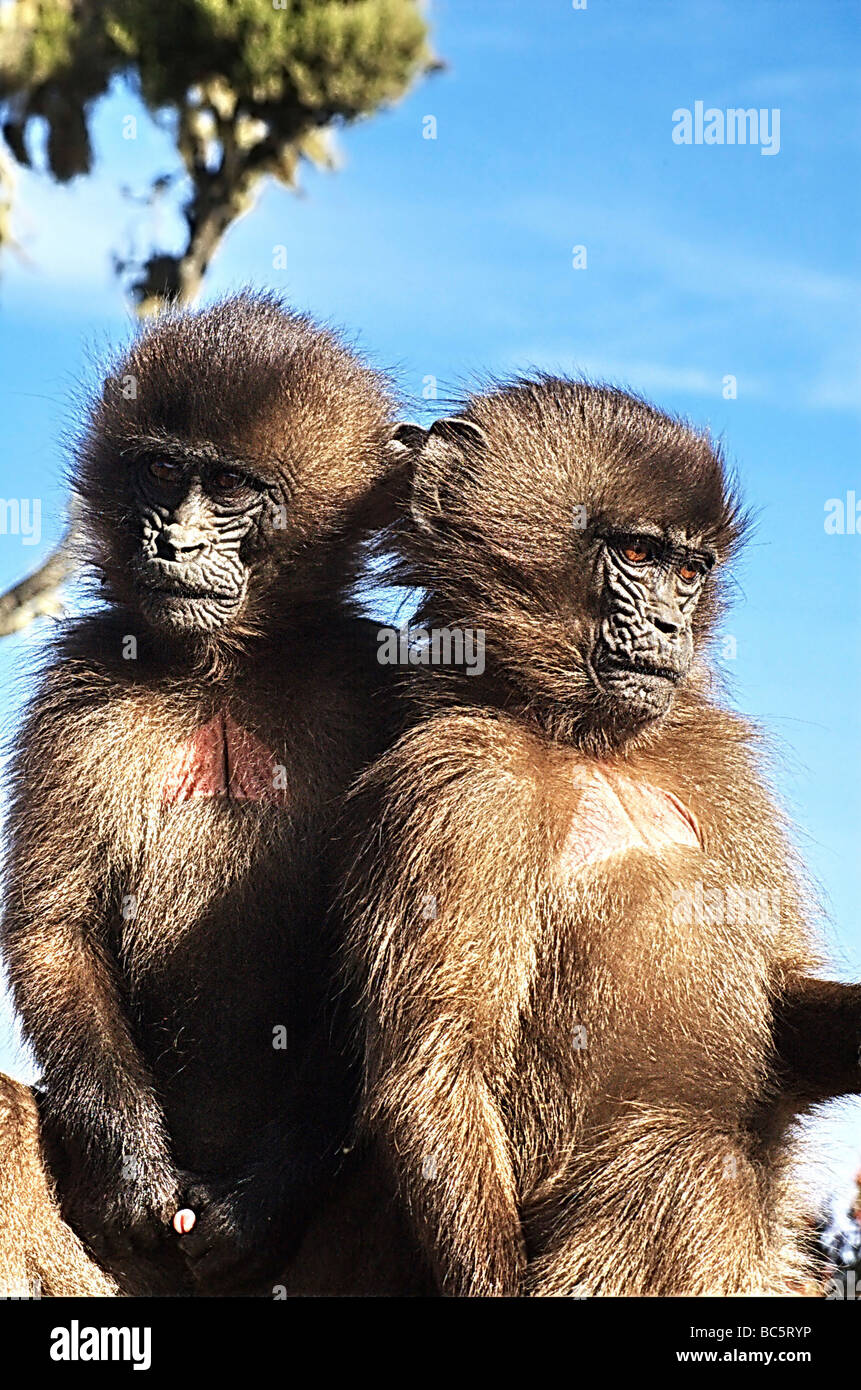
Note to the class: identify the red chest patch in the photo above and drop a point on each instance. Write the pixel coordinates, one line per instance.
(223, 759)
(617, 813)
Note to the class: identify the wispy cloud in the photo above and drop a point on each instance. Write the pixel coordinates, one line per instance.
(680, 311)
(793, 83)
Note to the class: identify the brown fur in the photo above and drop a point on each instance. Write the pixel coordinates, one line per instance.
(650, 1154)
(152, 949)
(360, 1242)
(40, 1257)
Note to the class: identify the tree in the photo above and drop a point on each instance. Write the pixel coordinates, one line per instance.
(248, 88)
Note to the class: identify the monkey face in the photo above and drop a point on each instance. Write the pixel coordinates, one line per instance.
(201, 524)
(233, 461)
(581, 532)
(644, 647)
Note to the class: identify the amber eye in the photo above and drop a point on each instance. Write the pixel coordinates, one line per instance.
(637, 554)
(165, 471)
(689, 572)
(227, 480)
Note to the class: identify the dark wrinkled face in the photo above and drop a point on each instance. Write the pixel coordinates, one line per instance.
(650, 586)
(201, 525)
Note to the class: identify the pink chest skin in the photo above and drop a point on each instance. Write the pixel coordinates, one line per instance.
(223, 759)
(616, 814)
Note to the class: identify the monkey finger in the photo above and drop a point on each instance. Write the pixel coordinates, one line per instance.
(184, 1221)
(197, 1196)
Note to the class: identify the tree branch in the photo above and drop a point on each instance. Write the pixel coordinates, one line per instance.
(37, 596)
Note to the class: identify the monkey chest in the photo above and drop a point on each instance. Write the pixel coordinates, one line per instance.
(656, 960)
(635, 861)
(225, 761)
(215, 846)
(615, 815)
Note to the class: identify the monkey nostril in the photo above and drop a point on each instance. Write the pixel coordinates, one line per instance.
(668, 625)
(169, 548)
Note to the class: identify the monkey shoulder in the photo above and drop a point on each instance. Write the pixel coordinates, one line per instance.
(89, 657)
(455, 808)
(723, 766)
(69, 684)
(333, 698)
(80, 726)
(471, 763)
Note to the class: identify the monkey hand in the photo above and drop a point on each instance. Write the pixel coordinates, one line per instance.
(126, 1219)
(242, 1236)
(113, 1174)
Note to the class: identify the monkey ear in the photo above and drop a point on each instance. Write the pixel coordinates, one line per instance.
(446, 442)
(456, 431)
(406, 440)
(390, 495)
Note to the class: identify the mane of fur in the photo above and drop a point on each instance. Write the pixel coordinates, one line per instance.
(655, 1156)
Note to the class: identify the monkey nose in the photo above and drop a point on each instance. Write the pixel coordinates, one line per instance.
(178, 546)
(668, 621)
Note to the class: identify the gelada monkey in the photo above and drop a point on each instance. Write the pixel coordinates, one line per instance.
(584, 1065)
(174, 785)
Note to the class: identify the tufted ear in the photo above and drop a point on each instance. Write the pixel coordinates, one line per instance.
(446, 443)
(406, 440)
(458, 432)
(389, 498)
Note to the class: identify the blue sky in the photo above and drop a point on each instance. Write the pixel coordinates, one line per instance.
(453, 256)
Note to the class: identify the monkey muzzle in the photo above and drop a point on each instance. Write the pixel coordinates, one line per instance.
(641, 687)
(191, 605)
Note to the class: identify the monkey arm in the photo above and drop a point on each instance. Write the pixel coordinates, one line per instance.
(817, 1039)
(440, 1122)
(98, 1093)
(97, 1090)
(98, 1099)
(441, 945)
(815, 1024)
(38, 1251)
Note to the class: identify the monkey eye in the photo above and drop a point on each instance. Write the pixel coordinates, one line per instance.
(690, 570)
(164, 470)
(226, 480)
(638, 552)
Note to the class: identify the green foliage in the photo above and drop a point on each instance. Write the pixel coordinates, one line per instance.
(252, 86)
(324, 60)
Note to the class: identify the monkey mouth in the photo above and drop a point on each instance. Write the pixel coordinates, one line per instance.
(188, 609)
(613, 671)
(642, 690)
(190, 595)
(625, 669)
